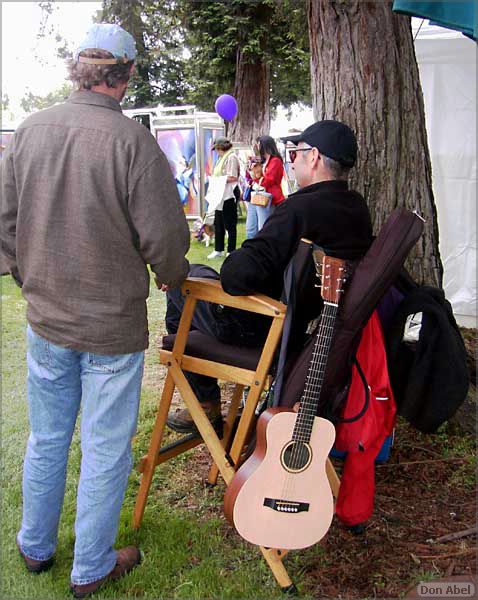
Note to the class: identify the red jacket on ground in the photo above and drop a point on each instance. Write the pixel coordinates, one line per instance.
(363, 438)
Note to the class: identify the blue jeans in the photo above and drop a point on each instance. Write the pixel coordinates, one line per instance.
(256, 217)
(108, 388)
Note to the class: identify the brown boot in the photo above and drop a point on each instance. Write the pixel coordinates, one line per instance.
(127, 559)
(182, 422)
(36, 566)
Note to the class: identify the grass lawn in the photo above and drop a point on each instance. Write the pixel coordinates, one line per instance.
(426, 490)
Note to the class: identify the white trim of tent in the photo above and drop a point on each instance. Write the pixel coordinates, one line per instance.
(447, 65)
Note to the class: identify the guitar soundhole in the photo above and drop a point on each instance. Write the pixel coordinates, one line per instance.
(296, 456)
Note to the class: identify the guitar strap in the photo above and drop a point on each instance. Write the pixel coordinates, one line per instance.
(289, 298)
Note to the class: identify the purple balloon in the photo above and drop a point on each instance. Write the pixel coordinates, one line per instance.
(226, 107)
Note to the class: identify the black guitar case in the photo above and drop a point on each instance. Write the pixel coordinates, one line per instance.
(372, 277)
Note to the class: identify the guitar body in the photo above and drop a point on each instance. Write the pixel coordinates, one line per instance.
(281, 497)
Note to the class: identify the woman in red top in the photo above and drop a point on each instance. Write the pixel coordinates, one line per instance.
(270, 181)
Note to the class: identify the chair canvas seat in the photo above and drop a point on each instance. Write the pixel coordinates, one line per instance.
(207, 347)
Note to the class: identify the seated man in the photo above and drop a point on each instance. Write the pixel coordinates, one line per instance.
(324, 211)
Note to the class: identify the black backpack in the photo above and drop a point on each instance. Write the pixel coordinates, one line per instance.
(429, 376)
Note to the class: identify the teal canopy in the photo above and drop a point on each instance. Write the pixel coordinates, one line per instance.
(458, 15)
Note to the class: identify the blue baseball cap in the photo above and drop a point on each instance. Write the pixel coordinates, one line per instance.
(109, 37)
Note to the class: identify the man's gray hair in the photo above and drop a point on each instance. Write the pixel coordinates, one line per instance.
(336, 169)
(85, 76)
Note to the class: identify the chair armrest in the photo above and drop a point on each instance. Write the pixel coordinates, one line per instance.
(211, 290)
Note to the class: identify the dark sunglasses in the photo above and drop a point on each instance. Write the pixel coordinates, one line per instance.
(293, 153)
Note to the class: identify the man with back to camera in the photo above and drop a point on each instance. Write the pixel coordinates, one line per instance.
(88, 200)
(324, 210)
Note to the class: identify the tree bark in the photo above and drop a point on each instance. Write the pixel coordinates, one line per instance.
(365, 73)
(252, 92)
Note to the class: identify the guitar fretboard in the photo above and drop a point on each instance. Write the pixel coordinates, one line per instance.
(315, 376)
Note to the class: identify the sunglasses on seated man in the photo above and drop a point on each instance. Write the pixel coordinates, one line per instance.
(293, 152)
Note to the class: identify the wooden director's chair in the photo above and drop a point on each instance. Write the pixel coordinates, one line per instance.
(199, 353)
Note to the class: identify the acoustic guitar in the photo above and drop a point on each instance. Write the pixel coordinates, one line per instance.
(280, 497)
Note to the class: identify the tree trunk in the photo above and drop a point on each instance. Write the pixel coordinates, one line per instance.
(251, 91)
(364, 73)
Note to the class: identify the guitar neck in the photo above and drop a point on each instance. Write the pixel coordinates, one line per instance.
(315, 376)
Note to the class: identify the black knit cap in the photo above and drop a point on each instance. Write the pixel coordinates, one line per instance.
(331, 138)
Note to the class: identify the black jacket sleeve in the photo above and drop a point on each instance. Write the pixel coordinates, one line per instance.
(258, 266)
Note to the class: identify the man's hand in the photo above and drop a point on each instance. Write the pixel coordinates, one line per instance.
(161, 286)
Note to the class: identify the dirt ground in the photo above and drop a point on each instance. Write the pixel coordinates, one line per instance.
(465, 418)
(426, 490)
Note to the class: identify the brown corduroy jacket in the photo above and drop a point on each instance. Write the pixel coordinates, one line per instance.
(88, 200)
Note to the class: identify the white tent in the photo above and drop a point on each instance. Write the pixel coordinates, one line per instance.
(447, 64)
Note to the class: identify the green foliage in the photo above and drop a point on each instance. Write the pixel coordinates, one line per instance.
(160, 63)
(31, 102)
(188, 51)
(273, 32)
(47, 29)
(291, 73)
(210, 70)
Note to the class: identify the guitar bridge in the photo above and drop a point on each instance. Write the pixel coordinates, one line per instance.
(286, 505)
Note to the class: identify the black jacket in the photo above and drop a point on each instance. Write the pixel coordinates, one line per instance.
(327, 213)
(430, 378)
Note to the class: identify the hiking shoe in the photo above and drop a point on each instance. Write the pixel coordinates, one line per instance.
(126, 560)
(36, 566)
(182, 422)
(216, 254)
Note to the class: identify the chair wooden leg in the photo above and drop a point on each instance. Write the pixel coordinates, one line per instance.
(172, 450)
(245, 423)
(202, 422)
(149, 464)
(333, 478)
(228, 428)
(274, 560)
